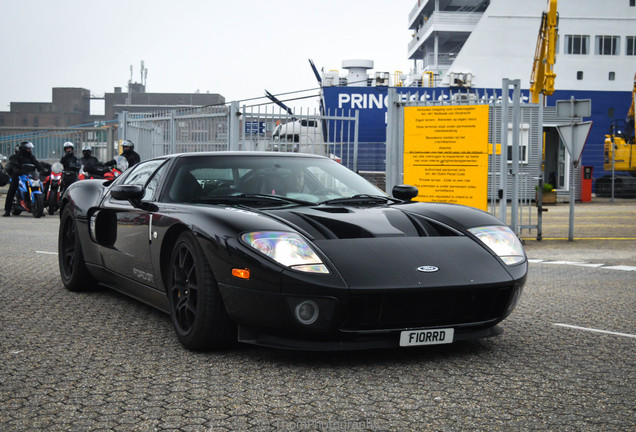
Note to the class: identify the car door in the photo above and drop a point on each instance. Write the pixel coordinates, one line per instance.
(128, 251)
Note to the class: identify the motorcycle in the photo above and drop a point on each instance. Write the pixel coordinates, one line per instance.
(57, 182)
(29, 195)
(106, 172)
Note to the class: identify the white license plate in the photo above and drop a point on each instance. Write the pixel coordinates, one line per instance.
(426, 337)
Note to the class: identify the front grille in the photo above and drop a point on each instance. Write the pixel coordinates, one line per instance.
(427, 308)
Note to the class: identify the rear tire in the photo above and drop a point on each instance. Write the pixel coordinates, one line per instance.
(196, 307)
(16, 209)
(73, 271)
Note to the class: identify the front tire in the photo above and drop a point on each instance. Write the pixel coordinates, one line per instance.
(52, 199)
(196, 307)
(73, 271)
(37, 206)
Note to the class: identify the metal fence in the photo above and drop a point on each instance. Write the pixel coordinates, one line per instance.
(268, 127)
(48, 142)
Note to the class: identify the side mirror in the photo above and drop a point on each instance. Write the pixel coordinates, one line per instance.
(131, 193)
(404, 192)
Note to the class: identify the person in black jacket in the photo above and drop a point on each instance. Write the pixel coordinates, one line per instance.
(128, 151)
(71, 164)
(89, 162)
(69, 157)
(14, 169)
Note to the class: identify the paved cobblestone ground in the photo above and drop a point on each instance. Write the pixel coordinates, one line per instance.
(101, 361)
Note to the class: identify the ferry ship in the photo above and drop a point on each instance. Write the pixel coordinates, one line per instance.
(470, 46)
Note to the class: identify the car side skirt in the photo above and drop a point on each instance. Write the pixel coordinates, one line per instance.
(130, 288)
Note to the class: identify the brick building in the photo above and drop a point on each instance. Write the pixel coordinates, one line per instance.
(140, 101)
(71, 106)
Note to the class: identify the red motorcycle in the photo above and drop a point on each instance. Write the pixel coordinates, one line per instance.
(106, 172)
(56, 182)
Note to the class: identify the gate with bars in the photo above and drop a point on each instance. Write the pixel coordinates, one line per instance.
(231, 127)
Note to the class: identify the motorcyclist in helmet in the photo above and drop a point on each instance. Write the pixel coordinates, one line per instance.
(14, 169)
(89, 162)
(128, 151)
(69, 157)
(71, 164)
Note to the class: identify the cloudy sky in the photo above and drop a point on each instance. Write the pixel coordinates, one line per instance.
(237, 48)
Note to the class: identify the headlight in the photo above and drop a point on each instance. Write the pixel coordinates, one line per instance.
(288, 249)
(502, 241)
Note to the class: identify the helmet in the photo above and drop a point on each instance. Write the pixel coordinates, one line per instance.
(87, 148)
(26, 145)
(128, 143)
(68, 144)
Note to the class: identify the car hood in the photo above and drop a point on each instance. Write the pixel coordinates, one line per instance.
(379, 247)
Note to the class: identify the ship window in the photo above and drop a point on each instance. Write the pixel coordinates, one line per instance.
(631, 45)
(612, 76)
(607, 45)
(579, 75)
(577, 44)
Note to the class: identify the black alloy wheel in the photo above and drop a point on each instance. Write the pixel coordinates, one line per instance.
(197, 310)
(73, 269)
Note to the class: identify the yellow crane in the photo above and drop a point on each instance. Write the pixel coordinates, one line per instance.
(542, 77)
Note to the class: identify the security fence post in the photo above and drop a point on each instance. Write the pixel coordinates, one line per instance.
(234, 122)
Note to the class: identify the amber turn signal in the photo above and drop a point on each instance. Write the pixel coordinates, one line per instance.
(241, 273)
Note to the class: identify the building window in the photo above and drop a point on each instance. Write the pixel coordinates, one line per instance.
(579, 75)
(610, 112)
(524, 134)
(36, 122)
(612, 76)
(25, 121)
(632, 3)
(631, 45)
(607, 45)
(577, 44)
(56, 121)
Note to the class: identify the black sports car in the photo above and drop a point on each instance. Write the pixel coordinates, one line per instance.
(289, 250)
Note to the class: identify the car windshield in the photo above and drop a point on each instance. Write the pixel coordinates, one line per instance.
(267, 180)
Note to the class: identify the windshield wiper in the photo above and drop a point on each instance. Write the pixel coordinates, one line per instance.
(362, 199)
(243, 198)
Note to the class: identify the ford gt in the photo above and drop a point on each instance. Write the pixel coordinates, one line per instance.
(291, 251)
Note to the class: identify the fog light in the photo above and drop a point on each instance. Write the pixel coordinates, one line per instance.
(306, 312)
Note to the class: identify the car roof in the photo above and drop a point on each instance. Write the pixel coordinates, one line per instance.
(246, 153)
